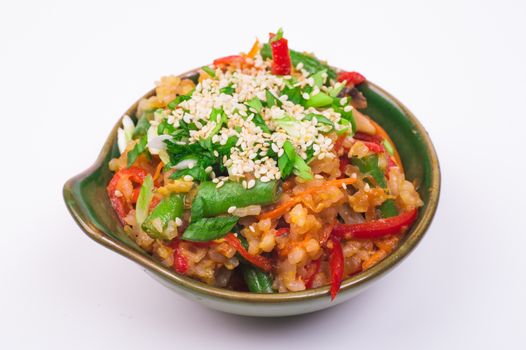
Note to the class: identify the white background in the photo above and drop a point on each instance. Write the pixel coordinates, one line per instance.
(68, 71)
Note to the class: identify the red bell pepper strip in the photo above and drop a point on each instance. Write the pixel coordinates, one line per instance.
(368, 138)
(376, 229)
(344, 161)
(118, 202)
(281, 64)
(257, 260)
(374, 147)
(234, 60)
(352, 78)
(336, 266)
(282, 231)
(312, 271)
(180, 261)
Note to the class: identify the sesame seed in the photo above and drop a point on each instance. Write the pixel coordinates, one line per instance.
(178, 221)
(366, 188)
(188, 178)
(219, 184)
(280, 153)
(208, 169)
(118, 193)
(299, 66)
(231, 209)
(251, 183)
(216, 153)
(344, 186)
(347, 108)
(343, 101)
(244, 183)
(305, 96)
(251, 228)
(318, 176)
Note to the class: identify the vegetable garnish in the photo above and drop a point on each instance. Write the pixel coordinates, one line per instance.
(336, 262)
(378, 228)
(208, 229)
(257, 260)
(144, 200)
(281, 64)
(258, 172)
(283, 208)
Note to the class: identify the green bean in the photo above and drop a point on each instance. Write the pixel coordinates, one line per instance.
(168, 209)
(212, 201)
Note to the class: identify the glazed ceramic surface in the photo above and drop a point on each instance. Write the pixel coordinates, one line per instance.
(88, 203)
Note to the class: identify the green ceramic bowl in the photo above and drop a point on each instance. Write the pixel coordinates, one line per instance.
(86, 199)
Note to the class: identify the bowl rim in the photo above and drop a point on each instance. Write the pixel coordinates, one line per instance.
(352, 282)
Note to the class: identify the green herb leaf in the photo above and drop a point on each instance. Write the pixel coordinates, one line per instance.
(208, 229)
(321, 120)
(287, 159)
(228, 90)
(301, 169)
(291, 125)
(219, 117)
(318, 78)
(209, 71)
(259, 121)
(255, 103)
(271, 100)
(143, 124)
(319, 100)
(335, 91)
(346, 116)
(198, 173)
(179, 99)
(278, 36)
(294, 94)
(144, 200)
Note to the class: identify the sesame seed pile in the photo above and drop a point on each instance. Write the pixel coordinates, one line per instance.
(248, 159)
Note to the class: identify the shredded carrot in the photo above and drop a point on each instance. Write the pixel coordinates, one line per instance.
(254, 50)
(158, 170)
(282, 208)
(382, 133)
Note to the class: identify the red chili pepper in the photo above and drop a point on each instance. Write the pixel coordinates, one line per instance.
(352, 78)
(344, 161)
(257, 260)
(234, 60)
(336, 266)
(366, 137)
(180, 261)
(374, 147)
(119, 203)
(312, 270)
(376, 229)
(280, 56)
(282, 231)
